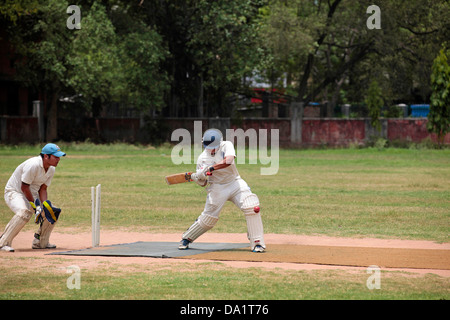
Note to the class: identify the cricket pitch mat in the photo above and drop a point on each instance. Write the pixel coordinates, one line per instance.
(290, 253)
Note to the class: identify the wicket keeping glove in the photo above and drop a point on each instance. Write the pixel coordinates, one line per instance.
(51, 213)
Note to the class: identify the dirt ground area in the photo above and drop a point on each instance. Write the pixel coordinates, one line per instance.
(292, 252)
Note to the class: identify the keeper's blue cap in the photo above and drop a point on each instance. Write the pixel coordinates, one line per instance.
(51, 148)
(212, 139)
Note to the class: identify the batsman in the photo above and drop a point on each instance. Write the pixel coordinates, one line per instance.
(216, 170)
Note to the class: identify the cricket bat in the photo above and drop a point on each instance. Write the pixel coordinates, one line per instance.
(180, 178)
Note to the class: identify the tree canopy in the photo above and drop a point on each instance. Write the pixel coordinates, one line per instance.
(188, 57)
(439, 117)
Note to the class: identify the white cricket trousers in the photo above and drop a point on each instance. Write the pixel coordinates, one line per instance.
(238, 192)
(218, 194)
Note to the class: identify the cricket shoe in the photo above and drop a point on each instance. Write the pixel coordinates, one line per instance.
(37, 246)
(184, 244)
(7, 248)
(258, 248)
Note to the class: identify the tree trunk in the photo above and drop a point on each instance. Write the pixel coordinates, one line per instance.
(310, 62)
(52, 119)
(200, 98)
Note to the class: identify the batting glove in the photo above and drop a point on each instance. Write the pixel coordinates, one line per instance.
(206, 171)
(198, 177)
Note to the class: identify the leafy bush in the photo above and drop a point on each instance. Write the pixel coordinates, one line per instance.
(439, 116)
(374, 101)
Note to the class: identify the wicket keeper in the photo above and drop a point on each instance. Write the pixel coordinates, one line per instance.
(26, 194)
(224, 184)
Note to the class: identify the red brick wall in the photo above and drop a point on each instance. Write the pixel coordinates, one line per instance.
(118, 129)
(332, 132)
(315, 132)
(15, 130)
(283, 125)
(414, 130)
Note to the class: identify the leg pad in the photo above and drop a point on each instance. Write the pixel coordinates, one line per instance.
(200, 226)
(255, 230)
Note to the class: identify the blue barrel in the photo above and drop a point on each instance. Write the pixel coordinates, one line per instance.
(420, 110)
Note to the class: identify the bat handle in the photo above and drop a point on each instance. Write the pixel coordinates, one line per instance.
(209, 173)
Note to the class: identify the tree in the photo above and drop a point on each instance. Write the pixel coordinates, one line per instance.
(287, 33)
(12, 10)
(141, 54)
(329, 41)
(93, 69)
(374, 101)
(224, 48)
(97, 62)
(143, 82)
(211, 45)
(326, 49)
(42, 44)
(403, 51)
(439, 116)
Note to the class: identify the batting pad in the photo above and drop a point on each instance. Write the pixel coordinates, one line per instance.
(153, 249)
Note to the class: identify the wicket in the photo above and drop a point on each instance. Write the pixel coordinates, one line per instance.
(95, 204)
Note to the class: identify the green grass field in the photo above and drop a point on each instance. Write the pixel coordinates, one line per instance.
(389, 193)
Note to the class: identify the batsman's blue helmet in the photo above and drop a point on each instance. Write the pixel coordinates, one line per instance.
(212, 138)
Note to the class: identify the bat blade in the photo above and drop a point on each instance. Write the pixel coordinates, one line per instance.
(178, 178)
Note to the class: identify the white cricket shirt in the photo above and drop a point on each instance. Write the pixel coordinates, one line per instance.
(30, 172)
(224, 175)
